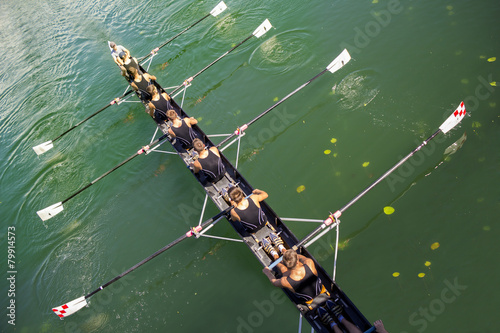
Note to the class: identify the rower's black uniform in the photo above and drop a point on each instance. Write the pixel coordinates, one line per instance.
(142, 86)
(307, 288)
(212, 167)
(161, 108)
(252, 218)
(185, 134)
(132, 63)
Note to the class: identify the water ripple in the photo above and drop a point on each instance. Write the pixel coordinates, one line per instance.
(357, 89)
(283, 52)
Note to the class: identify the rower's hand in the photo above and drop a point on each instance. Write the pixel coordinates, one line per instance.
(268, 273)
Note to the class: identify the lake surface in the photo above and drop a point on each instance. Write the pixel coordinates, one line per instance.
(431, 266)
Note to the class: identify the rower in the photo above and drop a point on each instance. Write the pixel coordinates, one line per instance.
(115, 52)
(127, 63)
(248, 211)
(209, 162)
(140, 83)
(181, 129)
(299, 275)
(158, 105)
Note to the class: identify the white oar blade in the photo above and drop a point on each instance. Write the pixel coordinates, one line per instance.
(68, 309)
(454, 119)
(218, 9)
(339, 62)
(263, 28)
(50, 211)
(42, 148)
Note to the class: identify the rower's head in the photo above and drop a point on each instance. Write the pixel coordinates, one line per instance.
(290, 258)
(236, 194)
(112, 45)
(151, 89)
(171, 115)
(123, 56)
(198, 145)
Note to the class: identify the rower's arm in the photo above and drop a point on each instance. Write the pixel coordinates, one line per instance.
(149, 77)
(192, 121)
(126, 51)
(118, 61)
(260, 195)
(196, 167)
(234, 216)
(165, 95)
(272, 279)
(151, 107)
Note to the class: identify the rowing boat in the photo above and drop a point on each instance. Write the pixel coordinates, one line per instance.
(217, 192)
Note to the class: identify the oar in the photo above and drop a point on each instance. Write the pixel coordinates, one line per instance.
(261, 30)
(55, 209)
(332, 220)
(451, 122)
(42, 148)
(342, 59)
(216, 11)
(69, 308)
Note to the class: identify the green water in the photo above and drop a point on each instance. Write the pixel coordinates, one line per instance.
(413, 63)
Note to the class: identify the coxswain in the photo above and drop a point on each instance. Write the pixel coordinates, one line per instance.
(209, 162)
(159, 104)
(140, 82)
(181, 129)
(248, 211)
(115, 53)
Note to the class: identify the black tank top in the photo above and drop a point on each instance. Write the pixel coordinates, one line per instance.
(307, 288)
(142, 85)
(212, 167)
(132, 63)
(161, 108)
(252, 218)
(185, 134)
